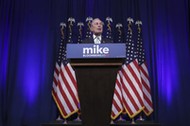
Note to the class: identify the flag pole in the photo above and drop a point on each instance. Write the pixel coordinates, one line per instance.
(80, 30)
(133, 121)
(109, 20)
(88, 32)
(141, 117)
(121, 119)
(65, 122)
(119, 26)
(59, 118)
(78, 114)
(56, 74)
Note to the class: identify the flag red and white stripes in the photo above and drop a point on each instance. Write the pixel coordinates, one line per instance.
(146, 89)
(67, 91)
(130, 77)
(55, 83)
(64, 82)
(117, 106)
(132, 88)
(144, 72)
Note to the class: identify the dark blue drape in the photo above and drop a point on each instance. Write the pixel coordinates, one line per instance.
(29, 37)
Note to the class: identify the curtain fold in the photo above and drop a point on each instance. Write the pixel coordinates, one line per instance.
(29, 39)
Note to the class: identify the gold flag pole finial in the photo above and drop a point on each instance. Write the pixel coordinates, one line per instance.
(62, 25)
(109, 20)
(138, 23)
(130, 21)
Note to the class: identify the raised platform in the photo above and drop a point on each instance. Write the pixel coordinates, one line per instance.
(126, 123)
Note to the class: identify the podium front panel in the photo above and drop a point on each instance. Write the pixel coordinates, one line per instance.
(96, 67)
(95, 88)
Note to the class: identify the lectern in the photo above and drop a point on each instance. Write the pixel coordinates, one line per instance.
(96, 67)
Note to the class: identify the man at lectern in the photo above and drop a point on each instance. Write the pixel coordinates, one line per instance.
(97, 29)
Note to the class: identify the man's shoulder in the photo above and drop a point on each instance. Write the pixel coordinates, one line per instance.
(88, 40)
(106, 40)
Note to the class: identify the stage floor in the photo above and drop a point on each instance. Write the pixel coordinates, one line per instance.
(126, 123)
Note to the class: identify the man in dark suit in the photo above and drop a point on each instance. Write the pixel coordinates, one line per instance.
(97, 30)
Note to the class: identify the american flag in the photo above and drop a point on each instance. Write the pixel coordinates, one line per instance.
(117, 106)
(64, 83)
(130, 78)
(67, 86)
(57, 67)
(144, 72)
(117, 103)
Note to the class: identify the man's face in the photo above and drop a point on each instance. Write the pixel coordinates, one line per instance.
(97, 27)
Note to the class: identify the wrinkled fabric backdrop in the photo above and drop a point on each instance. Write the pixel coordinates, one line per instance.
(29, 38)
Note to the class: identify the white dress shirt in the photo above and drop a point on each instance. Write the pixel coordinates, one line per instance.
(97, 39)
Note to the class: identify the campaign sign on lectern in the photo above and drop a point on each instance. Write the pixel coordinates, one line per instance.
(113, 50)
(96, 67)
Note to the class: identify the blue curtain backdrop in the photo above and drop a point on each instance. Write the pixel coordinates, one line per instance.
(29, 38)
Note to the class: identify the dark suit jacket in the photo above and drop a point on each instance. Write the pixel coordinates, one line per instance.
(91, 40)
